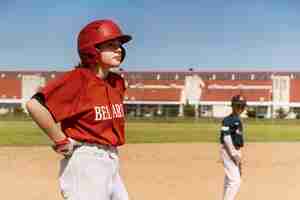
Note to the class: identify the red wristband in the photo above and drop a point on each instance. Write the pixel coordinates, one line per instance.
(62, 142)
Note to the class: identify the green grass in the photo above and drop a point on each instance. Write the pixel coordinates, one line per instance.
(21, 133)
(208, 131)
(138, 132)
(24, 132)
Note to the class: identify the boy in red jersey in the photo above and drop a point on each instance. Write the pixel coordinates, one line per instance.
(88, 103)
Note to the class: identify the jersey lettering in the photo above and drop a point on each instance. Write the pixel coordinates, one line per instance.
(106, 112)
(225, 128)
(98, 113)
(119, 110)
(115, 115)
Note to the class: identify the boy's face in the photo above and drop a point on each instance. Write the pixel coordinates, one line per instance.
(110, 54)
(239, 109)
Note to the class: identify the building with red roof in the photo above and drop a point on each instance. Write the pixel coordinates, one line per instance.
(151, 92)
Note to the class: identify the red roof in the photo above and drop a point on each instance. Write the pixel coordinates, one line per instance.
(223, 90)
(156, 82)
(140, 94)
(10, 87)
(295, 90)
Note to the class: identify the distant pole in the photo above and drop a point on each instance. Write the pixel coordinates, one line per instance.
(196, 106)
(181, 110)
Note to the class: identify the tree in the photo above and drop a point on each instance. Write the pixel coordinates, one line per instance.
(281, 113)
(189, 110)
(251, 113)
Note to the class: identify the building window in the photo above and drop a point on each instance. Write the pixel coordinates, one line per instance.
(140, 85)
(276, 84)
(173, 85)
(213, 77)
(206, 110)
(283, 85)
(132, 98)
(158, 76)
(232, 76)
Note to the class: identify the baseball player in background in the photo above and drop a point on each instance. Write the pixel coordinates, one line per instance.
(88, 103)
(232, 141)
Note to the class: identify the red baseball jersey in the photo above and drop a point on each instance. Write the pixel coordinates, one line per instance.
(89, 108)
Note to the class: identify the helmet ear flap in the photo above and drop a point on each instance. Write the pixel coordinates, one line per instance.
(88, 56)
(123, 53)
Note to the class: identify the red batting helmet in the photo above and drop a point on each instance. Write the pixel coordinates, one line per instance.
(95, 33)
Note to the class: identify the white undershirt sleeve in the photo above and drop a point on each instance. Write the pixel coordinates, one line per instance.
(229, 145)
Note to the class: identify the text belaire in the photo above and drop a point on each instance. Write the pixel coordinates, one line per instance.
(109, 112)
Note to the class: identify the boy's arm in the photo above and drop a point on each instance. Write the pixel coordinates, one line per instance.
(44, 120)
(230, 149)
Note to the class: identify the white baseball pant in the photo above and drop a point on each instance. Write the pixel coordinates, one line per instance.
(92, 173)
(232, 180)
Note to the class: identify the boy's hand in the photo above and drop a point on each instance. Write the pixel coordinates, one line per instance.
(236, 158)
(65, 147)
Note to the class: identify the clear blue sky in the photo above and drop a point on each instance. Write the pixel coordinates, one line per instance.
(167, 35)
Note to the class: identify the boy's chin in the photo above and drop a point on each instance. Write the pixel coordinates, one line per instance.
(114, 66)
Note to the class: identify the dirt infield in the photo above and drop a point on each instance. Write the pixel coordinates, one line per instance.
(162, 171)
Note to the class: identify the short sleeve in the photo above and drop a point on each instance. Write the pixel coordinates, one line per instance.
(225, 129)
(117, 81)
(121, 84)
(62, 94)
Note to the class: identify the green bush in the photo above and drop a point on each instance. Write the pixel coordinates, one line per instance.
(170, 112)
(19, 112)
(281, 113)
(251, 113)
(189, 110)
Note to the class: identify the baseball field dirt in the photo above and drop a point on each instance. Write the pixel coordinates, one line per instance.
(162, 172)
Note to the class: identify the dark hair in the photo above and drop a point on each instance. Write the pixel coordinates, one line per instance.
(80, 65)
